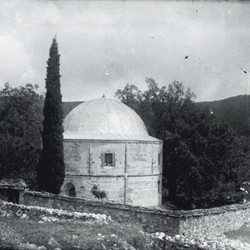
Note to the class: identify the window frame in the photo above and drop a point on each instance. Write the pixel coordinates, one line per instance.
(112, 159)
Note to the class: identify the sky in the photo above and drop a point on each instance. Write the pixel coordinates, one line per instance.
(106, 44)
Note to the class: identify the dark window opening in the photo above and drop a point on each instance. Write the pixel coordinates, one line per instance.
(10, 195)
(159, 186)
(108, 160)
(71, 190)
(159, 159)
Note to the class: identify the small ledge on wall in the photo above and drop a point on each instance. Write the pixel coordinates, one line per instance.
(109, 167)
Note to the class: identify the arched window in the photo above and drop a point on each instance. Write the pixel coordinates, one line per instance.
(71, 190)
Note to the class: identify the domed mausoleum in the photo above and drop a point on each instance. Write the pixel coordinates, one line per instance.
(107, 144)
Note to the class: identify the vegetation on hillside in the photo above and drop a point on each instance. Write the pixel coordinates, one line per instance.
(51, 169)
(204, 161)
(68, 107)
(234, 110)
(21, 112)
(20, 124)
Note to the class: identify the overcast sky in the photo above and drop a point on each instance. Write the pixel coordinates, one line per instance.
(106, 44)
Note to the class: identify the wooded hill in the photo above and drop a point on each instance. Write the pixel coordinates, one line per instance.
(234, 110)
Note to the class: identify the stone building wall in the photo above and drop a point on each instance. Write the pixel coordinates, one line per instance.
(196, 223)
(134, 179)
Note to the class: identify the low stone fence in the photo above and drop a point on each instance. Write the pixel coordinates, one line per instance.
(191, 224)
(214, 221)
(152, 220)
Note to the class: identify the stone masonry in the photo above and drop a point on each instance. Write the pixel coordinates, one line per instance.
(194, 223)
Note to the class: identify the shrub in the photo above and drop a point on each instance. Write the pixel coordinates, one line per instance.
(99, 194)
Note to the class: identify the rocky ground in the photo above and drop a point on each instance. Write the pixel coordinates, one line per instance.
(216, 243)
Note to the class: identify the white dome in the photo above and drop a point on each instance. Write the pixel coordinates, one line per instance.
(104, 118)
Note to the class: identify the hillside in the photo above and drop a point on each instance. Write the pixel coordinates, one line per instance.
(68, 106)
(234, 110)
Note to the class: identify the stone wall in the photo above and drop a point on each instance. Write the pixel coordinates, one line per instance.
(214, 221)
(152, 220)
(191, 224)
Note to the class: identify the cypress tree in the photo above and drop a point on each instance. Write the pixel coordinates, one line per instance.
(51, 168)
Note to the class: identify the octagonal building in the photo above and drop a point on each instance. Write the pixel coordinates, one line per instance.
(107, 144)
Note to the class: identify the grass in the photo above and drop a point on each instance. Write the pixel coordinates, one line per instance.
(20, 225)
(72, 235)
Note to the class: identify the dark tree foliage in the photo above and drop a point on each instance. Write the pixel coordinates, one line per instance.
(204, 162)
(20, 122)
(18, 159)
(51, 170)
(160, 108)
(21, 112)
